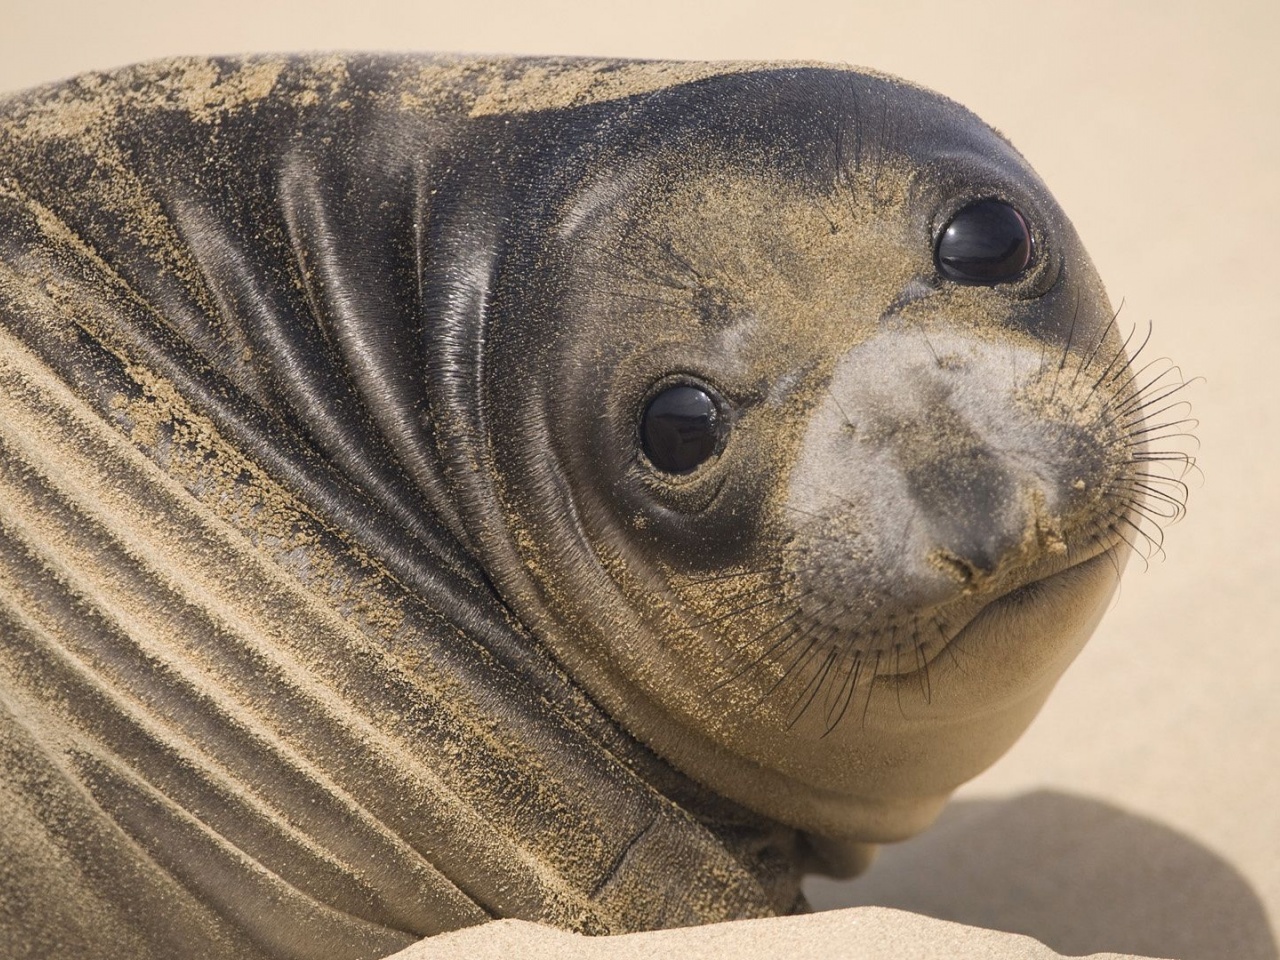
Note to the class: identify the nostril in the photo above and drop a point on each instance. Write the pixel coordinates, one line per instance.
(976, 510)
(972, 507)
(957, 568)
(972, 562)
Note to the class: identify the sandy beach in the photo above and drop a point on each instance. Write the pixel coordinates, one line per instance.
(1140, 815)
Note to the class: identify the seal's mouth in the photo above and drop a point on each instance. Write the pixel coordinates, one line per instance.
(1024, 602)
(823, 666)
(884, 643)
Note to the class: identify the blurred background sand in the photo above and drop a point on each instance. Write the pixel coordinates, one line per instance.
(1141, 813)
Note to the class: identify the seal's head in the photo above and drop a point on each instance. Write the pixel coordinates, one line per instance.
(815, 444)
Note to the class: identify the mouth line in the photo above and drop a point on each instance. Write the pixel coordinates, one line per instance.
(1106, 552)
(1008, 598)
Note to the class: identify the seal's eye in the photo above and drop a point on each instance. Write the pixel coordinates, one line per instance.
(985, 242)
(681, 428)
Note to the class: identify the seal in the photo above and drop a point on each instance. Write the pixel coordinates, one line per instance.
(595, 492)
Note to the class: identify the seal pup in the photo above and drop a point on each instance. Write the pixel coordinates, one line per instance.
(592, 492)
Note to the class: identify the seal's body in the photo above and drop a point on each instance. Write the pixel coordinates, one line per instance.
(434, 490)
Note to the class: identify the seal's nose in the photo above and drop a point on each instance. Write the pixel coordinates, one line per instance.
(971, 502)
(972, 510)
(933, 472)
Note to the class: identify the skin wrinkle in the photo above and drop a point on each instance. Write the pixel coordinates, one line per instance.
(345, 605)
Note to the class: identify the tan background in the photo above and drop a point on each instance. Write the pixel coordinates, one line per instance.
(1142, 811)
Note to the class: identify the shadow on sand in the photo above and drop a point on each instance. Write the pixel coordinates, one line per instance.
(1076, 874)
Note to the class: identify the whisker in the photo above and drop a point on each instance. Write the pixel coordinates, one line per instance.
(737, 612)
(816, 682)
(1102, 337)
(851, 684)
(875, 672)
(1119, 354)
(923, 668)
(698, 581)
(1066, 351)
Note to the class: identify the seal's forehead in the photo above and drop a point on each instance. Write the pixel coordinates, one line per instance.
(811, 123)
(757, 271)
(795, 272)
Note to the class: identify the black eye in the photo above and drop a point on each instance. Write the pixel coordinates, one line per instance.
(681, 428)
(986, 242)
